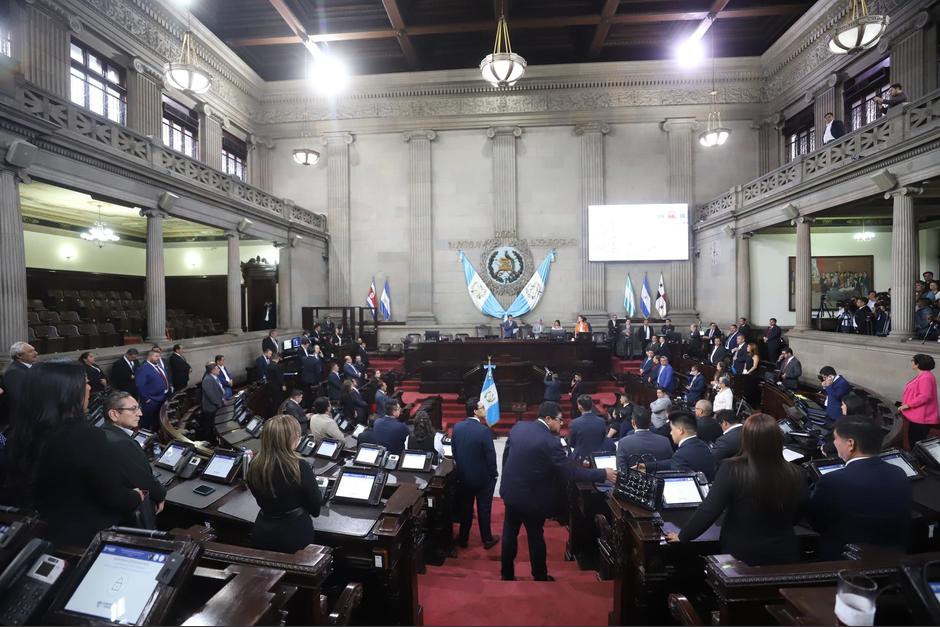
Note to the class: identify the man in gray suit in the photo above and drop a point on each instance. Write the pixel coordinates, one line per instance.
(790, 369)
(660, 410)
(212, 400)
(642, 444)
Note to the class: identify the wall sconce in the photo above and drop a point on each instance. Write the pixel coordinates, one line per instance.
(68, 252)
(193, 260)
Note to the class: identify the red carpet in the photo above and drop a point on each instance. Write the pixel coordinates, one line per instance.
(468, 591)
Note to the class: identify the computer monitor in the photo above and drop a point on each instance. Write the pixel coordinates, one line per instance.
(432, 336)
(222, 466)
(416, 461)
(328, 449)
(929, 451)
(896, 458)
(359, 485)
(287, 344)
(557, 335)
(785, 427)
(369, 455)
(604, 460)
(680, 492)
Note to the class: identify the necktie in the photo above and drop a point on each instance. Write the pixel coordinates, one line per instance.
(166, 383)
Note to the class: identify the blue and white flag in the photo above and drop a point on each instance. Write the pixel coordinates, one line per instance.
(629, 299)
(385, 305)
(490, 397)
(661, 302)
(480, 294)
(530, 295)
(645, 300)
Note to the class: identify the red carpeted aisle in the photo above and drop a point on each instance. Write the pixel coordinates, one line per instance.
(467, 590)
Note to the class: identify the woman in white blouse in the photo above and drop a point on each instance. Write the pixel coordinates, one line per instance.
(725, 397)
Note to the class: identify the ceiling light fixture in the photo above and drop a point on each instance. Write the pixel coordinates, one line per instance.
(304, 155)
(863, 235)
(99, 233)
(859, 32)
(690, 53)
(715, 134)
(328, 75)
(183, 74)
(502, 68)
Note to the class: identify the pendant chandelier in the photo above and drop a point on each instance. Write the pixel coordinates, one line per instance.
(183, 74)
(503, 67)
(863, 235)
(99, 233)
(714, 134)
(305, 156)
(859, 32)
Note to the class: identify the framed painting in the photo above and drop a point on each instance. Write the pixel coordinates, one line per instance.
(835, 279)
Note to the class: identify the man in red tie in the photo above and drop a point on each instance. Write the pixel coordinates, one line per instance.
(154, 388)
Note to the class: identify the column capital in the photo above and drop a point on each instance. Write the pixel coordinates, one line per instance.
(153, 213)
(280, 245)
(145, 69)
(495, 131)
(421, 135)
(207, 110)
(233, 234)
(670, 125)
(342, 137)
(592, 128)
(254, 141)
(907, 190)
(745, 235)
(802, 220)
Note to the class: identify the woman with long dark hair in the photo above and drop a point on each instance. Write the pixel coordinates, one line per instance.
(285, 487)
(761, 495)
(60, 464)
(424, 437)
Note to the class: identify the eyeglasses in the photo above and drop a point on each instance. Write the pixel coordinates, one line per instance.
(134, 408)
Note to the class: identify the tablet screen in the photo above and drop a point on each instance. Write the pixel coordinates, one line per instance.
(791, 455)
(367, 456)
(413, 461)
(825, 470)
(354, 485)
(681, 491)
(172, 454)
(895, 459)
(141, 438)
(287, 344)
(448, 450)
(118, 585)
(327, 448)
(220, 465)
(933, 449)
(935, 588)
(254, 424)
(605, 461)
(785, 426)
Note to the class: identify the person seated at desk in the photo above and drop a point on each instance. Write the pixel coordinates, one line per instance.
(641, 443)
(836, 387)
(660, 411)
(556, 326)
(696, 387)
(665, 378)
(647, 366)
(760, 494)
(354, 407)
(285, 487)
(588, 431)
(708, 428)
(425, 437)
(552, 387)
(725, 397)
(692, 453)
(321, 422)
(389, 432)
(866, 502)
(729, 443)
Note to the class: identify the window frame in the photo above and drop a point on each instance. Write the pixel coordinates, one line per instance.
(234, 156)
(179, 121)
(859, 94)
(799, 134)
(111, 91)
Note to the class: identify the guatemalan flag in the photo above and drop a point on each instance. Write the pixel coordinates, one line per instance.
(385, 305)
(661, 300)
(645, 300)
(629, 299)
(530, 295)
(490, 397)
(480, 294)
(370, 298)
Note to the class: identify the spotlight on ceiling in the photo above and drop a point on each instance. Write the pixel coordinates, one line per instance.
(690, 53)
(328, 74)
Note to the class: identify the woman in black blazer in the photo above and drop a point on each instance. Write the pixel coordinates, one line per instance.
(761, 495)
(285, 487)
(96, 377)
(64, 465)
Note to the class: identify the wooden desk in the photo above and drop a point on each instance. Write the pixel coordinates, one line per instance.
(805, 606)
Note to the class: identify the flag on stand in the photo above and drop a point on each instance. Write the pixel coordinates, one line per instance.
(370, 298)
(490, 397)
(645, 300)
(385, 306)
(629, 300)
(661, 301)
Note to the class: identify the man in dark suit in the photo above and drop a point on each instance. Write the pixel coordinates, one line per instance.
(896, 96)
(213, 398)
(667, 328)
(641, 443)
(508, 328)
(718, 352)
(533, 462)
(696, 387)
(475, 457)
(691, 454)
(381, 399)
(14, 378)
(645, 334)
(834, 128)
(123, 372)
(291, 407)
(665, 377)
(275, 384)
(744, 328)
(712, 332)
(228, 383)
(587, 432)
(552, 387)
(179, 369)
(868, 501)
(836, 387)
(270, 343)
(729, 444)
(261, 365)
(351, 372)
(389, 432)
(707, 427)
(354, 406)
(154, 388)
(790, 369)
(311, 371)
(739, 355)
(334, 383)
(732, 340)
(577, 389)
(646, 368)
(771, 339)
(360, 351)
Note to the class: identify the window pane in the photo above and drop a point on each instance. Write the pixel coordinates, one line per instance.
(78, 91)
(76, 54)
(94, 63)
(166, 135)
(113, 76)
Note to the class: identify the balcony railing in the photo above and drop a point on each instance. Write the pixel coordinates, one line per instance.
(917, 118)
(142, 150)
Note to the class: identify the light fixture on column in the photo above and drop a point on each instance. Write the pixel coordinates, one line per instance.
(99, 233)
(863, 235)
(714, 134)
(184, 74)
(859, 32)
(503, 67)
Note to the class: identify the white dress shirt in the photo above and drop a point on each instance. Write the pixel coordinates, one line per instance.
(724, 400)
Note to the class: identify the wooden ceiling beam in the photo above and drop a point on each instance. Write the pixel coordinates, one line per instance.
(401, 33)
(603, 28)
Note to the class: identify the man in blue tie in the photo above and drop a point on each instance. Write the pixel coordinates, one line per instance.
(225, 378)
(154, 388)
(696, 386)
(665, 378)
(647, 366)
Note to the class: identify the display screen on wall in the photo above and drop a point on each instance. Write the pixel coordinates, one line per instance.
(835, 279)
(638, 232)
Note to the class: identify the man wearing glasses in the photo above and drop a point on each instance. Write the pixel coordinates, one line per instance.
(123, 417)
(533, 462)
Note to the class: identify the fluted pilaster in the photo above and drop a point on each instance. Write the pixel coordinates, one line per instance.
(283, 285)
(210, 136)
(259, 163)
(420, 232)
(234, 284)
(145, 100)
(337, 197)
(769, 143)
(156, 276)
(904, 261)
(504, 178)
(680, 134)
(13, 327)
(828, 100)
(46, 54)
(804, 275)
(744, 275)
(908, 65)
(593, 283)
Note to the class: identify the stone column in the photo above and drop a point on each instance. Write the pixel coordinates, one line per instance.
(45, 61)
(234, 284)
(769, 143)
(337, 198)
(504, 178)
(283, 285)
(13, 327)
(804, 275)
(145, 100)
(156, 276)
(904, 261)
(744, 275)
(680, 134)
(593, 280)
(210, 136)
(420, 233)
(908, 62)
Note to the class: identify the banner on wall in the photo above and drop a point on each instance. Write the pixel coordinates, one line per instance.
(484, 300)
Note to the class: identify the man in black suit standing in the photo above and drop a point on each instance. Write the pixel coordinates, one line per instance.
(361, 352)
(696, 387)
(261, 364)
(291, 407)
(729, 444)
(834, 128)
(718, 352)
(790, 369)
(587, 432)
(274, 382)
(334, 383)
(475, 456)
(732, 340)
(14, 378)
(552, 387)
(213, 398)
(179, 369)
(577, 389)
(270, 342)
(533, 462)
(311, 372)
(691, 454)
(123, 373)
(744, 328)
(771, 339)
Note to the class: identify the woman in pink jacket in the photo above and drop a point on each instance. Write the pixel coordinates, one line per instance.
(919, 403)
